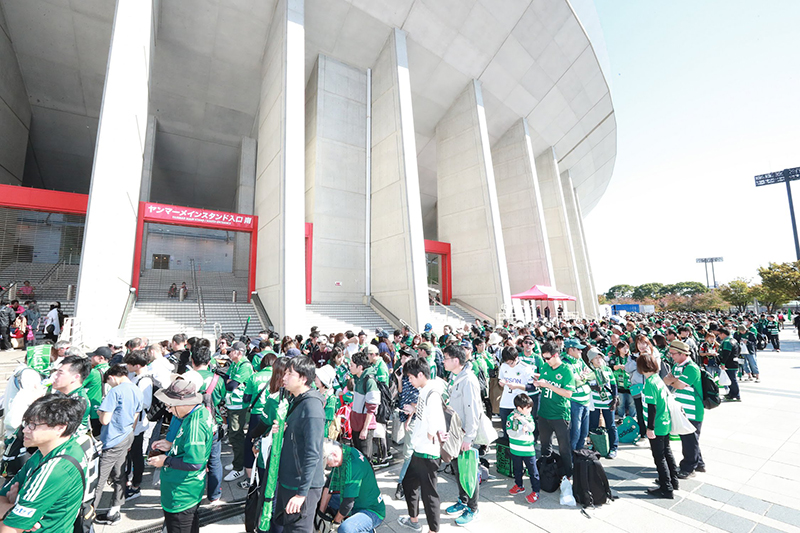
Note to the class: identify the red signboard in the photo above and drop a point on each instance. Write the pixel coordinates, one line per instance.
(190, 216)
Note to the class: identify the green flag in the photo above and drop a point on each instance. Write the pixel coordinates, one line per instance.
(274, 464)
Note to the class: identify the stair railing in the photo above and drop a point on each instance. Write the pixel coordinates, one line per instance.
(201, 306)
(128, 308)
(261, 311)
(448, 311)
(53, 272)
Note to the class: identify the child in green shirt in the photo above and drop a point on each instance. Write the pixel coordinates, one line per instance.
(521, 443)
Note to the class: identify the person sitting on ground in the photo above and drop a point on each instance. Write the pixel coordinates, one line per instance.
(173, 291)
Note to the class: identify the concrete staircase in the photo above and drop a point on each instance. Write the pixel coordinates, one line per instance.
(455, 317)
(339, 317)
(50, 285)
(217, 286)
(161, 320)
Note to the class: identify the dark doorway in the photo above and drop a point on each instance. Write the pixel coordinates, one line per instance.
(160, 262)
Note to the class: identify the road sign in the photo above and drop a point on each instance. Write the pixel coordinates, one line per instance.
(778, 177)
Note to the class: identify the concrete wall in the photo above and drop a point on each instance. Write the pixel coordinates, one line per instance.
(398, 274)
(336, 137)
(558, 228)
(245, 193)
(15, 112)
(280, 168)
(110, 235)
(522, 214)
(579, 245)
(468, 210)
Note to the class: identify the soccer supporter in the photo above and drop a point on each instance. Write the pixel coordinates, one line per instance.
(136, 361)
(658, 426)
(69, 378)
(366, 399)
(581, 398)
(94, 384)
(239, 372)
(558, 386)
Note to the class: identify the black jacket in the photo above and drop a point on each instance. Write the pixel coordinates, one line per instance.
(301, 466)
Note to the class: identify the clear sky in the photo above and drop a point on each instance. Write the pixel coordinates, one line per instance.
(707, 95)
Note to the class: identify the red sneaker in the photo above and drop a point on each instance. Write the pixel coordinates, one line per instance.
(516, 489)
(533, 497)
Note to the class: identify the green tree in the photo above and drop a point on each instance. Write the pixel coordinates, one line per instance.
(708, 301)
(769, 297)
(619, 291)
(648, 290)
(686, 288)
(737, 293)
(780, 283)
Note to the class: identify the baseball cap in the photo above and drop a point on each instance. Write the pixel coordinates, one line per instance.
(326, 375)
(372, 349)
(239, 346)
(102, 351)
(573, 343)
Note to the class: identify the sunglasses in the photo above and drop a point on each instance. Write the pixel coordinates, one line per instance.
(527, 342)
(547, 358)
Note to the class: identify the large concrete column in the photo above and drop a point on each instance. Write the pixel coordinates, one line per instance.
(565, 270)
(110, 235)
(398, 277)
(336, 149)
(468, 210)
(245, 193)
(280, 167)
(148, 161)
(579, 245)
(522, 216)
(15, 112)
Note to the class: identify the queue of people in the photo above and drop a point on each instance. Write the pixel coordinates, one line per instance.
(308, 421)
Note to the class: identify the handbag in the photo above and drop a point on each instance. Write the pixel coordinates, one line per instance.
(724, 379)
(486, 432)
(680, 424)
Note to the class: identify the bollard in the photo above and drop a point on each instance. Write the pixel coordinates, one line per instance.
(234, 297)
(70, 292)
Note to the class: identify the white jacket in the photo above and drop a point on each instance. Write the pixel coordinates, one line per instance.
(430, 419)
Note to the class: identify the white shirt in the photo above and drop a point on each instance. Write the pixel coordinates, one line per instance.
(52, 320)
(519, 374)
(429, 419)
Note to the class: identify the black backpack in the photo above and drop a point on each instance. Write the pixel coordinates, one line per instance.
(710, 390)
(551, 470)
(387, 403)
(761, 341)
(589, 482)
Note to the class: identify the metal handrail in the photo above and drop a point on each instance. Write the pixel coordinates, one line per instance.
(5, 292)
(407, 325)
(383, 312)
(201, 306)
(476, 312)
(52, 270)
(128, 308)
(448, 311)
(261, 311)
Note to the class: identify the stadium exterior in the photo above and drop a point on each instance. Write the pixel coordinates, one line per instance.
(347, 144)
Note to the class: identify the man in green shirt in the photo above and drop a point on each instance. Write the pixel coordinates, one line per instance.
(46, 494)
(239, 372)
(69, 378)
(93, 385)
(687, 382)
(557, 385)
(579, 401)
(256, 392)
(183, 475)
(361, 506)
(214, 385)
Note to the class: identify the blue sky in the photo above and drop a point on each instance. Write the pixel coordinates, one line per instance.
(707, 95)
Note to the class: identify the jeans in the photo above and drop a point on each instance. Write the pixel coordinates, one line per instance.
(690, 444)
(530, 462)
(579, 425)
(626, 406)
(187, 521)
(361, 522)
(611, 426)
(750, 364)
(561, 428)
(733, 390)
(776, 342)
(665, 462)
(215, 469)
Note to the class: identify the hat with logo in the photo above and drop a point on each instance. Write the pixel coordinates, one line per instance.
(573, 343)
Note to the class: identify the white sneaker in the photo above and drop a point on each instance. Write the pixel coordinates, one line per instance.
(234, 475)
(229, 467)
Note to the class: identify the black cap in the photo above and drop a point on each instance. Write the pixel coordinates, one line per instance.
(102, 351)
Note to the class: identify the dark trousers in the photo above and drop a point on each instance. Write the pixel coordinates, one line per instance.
(504, 414)
(529, 462)
(135, 460)
(301, 522)
(665, 462)
(249, 456)
(364, 446)
(692, 458)
(472, 503)
(187, 521)
(776, 342)
(421, 478)
(640, 417)
(96, 427)
(561, 429)
(733, 390)
(112, 466)
(5, 343)
(535, 415)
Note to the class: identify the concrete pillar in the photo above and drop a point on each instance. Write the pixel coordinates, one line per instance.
(579, 245)
(110, 235)
(468, 210)
(398, 277)
(280, 167)
(336, 148)
(147, 174)
(15, 112)
(522, 216)
(245, 193)
(565, 271)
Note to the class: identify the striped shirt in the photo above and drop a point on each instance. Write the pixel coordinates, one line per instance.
(580, 371)
(690, 398)
(601, 398)
(520, 434)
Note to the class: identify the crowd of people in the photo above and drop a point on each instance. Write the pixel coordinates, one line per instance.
(308, 420)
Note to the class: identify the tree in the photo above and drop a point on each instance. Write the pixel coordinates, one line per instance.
(708, 301)
(737, 293)
(686, 288)
(780, 283)
(619, 291)
(771, 298)
(648, 290)
(601, 299)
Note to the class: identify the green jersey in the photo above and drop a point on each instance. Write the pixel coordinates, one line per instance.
(258, 356)
(240, 372)
(690, 398)
(601, 394)
(93, 385)
(535, 364)
(183, 489)
(356, 479)
(553, 406)
(381, 371)
(581, 373)
(217, 395)
(622, 378)
(654, 396)
(520, 434)
(256, 384)
(50, 495)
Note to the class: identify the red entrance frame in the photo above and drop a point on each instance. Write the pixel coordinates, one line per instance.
(442, 249)
(144, 217)
(30, 199)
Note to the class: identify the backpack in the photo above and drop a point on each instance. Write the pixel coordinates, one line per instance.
(761, 341)
(589, 482)
(157, 408)
(451, 447)
(92, 449)
(551, 470)
(384, 412)
(208, 402)
(710, 390)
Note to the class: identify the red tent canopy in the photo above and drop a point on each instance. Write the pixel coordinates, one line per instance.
(542, 292)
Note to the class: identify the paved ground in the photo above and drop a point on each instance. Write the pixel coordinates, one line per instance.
(752, 483)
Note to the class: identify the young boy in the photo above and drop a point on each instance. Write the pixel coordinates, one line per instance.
(520, 426)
